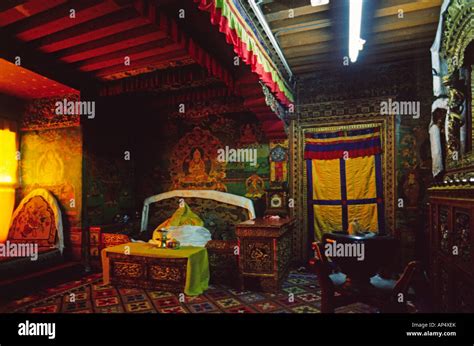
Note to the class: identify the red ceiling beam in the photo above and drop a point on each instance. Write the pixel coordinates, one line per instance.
(111, 24)
(119, 45)
(23, 9)
(146, 62)
(124, 52)
(85, 10)
(119, 60)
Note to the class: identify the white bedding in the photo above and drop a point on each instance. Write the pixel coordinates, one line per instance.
(189, 235)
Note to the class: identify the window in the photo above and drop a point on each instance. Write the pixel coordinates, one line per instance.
(8, 174)
(8, 161)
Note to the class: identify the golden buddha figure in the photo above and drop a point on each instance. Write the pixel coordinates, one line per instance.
(197, 167)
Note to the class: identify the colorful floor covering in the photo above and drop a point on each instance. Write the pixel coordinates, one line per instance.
(299, 294)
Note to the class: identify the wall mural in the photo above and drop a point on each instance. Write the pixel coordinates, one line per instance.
(188, 156)
(170, 152)
(110, 184)
(52, 159)
(40, 114)
(51, 154)
(194, 164)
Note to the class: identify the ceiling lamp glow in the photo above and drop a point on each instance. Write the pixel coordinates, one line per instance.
(355, 18)
(319, 2)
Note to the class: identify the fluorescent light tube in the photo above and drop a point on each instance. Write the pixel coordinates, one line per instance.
(355, 18)
(319, 2)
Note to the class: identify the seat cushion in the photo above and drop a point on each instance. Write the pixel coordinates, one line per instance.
(382, 284)
(338, 279)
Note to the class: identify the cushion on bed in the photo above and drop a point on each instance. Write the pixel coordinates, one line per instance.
(181, 217)
(218, 217)
(189, 235)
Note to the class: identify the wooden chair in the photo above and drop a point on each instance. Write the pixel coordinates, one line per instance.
(337, 291)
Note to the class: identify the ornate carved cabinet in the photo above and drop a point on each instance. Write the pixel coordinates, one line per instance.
(452, 247)
(265, 252)
(165, 274)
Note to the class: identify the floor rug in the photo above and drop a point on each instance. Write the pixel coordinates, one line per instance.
(299, 294)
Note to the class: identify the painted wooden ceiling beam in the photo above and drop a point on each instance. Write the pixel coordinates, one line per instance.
(166, 58)
(14, 11)
(104, 26)
(112, 44)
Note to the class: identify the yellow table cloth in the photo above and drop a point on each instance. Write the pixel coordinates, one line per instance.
(197, 271)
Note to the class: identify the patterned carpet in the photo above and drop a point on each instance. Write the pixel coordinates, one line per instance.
(299, 294)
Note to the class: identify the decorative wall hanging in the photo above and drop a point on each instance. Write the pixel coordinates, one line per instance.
(194, 164)
(344, 171)
(298, 187)
(278, 162)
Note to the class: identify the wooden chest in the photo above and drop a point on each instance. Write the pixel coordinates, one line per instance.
(163, 274)
(265, 247)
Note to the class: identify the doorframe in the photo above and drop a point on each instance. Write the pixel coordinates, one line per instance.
(298, 179)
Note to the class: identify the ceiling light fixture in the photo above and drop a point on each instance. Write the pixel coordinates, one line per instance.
(355, 18)
(319, 2)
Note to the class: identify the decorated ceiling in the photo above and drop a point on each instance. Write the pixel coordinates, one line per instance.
(21, 82)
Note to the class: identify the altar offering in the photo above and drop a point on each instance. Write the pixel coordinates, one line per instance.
(172, 244)
(159, 238)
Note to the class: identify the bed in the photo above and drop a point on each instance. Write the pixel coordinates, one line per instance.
(220, 212)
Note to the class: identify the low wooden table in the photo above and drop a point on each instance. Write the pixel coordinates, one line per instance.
(145, 266)
(265, 252)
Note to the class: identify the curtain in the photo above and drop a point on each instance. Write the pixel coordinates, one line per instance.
(8, 173)
(344, 172)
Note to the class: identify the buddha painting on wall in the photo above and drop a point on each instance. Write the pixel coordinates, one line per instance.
(197, 166)
(194, 163)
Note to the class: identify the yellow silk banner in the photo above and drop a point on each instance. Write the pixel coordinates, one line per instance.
(343, 190)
